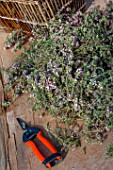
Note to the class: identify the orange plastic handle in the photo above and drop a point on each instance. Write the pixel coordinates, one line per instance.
(36, 152)
(46, 143)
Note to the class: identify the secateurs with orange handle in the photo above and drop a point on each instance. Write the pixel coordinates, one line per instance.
(33, 132)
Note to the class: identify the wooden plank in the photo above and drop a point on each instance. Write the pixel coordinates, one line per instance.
(46, 10)
(43, 16)
(4, 76)
(4, 164)
(1, 95)
(22, 110)
(2, 150)
(12, 153)
(50, 8)
(11, 123)
(34, 13)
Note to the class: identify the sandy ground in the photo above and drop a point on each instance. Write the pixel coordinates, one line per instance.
(15, 155)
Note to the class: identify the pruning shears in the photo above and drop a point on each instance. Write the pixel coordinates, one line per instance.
(33, 132)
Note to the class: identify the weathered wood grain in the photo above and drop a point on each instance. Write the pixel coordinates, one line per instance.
(4, 164)
(11, 123)
(1, 96)
(12, 153)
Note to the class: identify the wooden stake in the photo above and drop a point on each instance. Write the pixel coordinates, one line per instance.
(36, 17)
(45, 8)
(50, 8)
(40, 9)
(37, 12)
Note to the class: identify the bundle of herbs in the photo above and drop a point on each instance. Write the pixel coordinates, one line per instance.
(68, 70)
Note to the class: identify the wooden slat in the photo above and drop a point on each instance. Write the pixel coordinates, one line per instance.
(27, 13)
(4, 23)
(52, 5)
(57, 9)
(40, 9)
(50, 8)
(6, 12)
(22, 12)
(34, 13)
(38, 13)
(62, 2)
(8, 8)
(29, 16)
(12, 153)
(1, 92)
(19, 9)
(30, 12)
(11, 123)
(4, 164)
(16, 14)
(59, 4)
(46, 10)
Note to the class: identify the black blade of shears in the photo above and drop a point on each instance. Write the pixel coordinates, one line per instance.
(22, 124)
